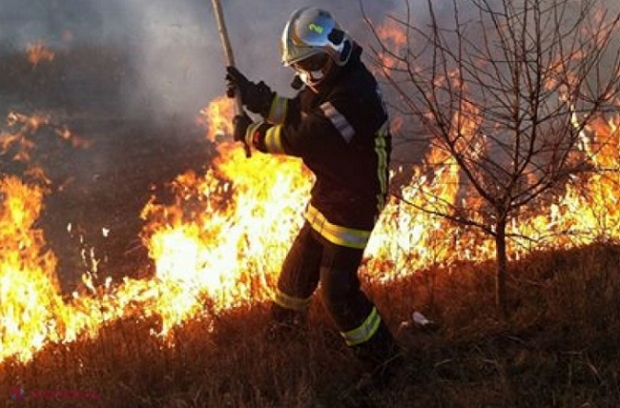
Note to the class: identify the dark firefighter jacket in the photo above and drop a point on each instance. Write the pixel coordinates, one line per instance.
(342, 135)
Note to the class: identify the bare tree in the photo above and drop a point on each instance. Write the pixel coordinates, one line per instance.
(506, 92)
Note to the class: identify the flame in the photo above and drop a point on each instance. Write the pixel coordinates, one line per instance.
(28, 289)
(227, 232)
(218, 246)
(26, 125)
(221, 242)
(38, 52)
(393, 37)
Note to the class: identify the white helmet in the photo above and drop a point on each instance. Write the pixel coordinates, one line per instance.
(312, 41)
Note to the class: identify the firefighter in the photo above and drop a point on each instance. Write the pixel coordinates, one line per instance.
(338, 125)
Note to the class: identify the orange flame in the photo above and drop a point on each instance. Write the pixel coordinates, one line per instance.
(394, 37)
(220, 244)
(38, 52)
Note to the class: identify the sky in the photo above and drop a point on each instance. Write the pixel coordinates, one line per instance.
(174, 45)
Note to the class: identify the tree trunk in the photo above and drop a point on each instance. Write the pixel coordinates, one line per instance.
(502, 262)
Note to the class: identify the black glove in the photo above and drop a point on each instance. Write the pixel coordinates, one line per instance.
(241, 123)
(256, 97)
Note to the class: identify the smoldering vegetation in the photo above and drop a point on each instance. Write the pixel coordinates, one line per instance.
(128, 77)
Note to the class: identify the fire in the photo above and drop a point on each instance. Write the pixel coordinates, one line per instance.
(26, 125)
(38, 53)
(221, 242)
(393, 37)
(218, 246)
(28, 288)
(228, 231)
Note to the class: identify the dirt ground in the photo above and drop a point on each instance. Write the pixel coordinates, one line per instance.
(131, 154)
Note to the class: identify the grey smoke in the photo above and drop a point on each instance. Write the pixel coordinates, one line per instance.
(174, 46)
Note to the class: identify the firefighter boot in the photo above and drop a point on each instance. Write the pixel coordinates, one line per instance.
(286, 324)
(382, 359)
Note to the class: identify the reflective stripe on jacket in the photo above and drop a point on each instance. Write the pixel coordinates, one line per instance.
(341, 132)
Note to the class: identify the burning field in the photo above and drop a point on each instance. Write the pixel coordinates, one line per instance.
(218, 240)
(137, 255)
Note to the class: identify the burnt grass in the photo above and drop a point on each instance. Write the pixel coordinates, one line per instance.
(557, 348)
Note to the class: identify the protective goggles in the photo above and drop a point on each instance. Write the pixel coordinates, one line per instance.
(312, 70)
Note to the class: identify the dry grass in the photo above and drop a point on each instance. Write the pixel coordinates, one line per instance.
(559, 348)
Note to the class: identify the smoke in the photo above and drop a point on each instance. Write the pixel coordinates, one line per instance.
(172, 48)
(182, 60)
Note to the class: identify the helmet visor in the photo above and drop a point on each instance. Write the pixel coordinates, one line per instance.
(312, 70)
(313, 63)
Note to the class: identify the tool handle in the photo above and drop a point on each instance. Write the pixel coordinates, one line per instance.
(230, 59)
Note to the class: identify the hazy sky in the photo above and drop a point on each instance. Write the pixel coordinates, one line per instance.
(174, 45)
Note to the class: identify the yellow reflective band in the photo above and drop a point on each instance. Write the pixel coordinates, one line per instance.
(349, 237)
(249, 133)
(273, 141)
(290, 302)
(365, 331)
(277, 112)
(382, 164)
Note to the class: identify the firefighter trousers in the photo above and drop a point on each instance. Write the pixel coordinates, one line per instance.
(312, 259)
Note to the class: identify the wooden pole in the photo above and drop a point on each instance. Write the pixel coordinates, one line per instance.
(230, 58)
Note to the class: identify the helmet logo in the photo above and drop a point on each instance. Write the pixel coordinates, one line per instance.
(316, 28)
